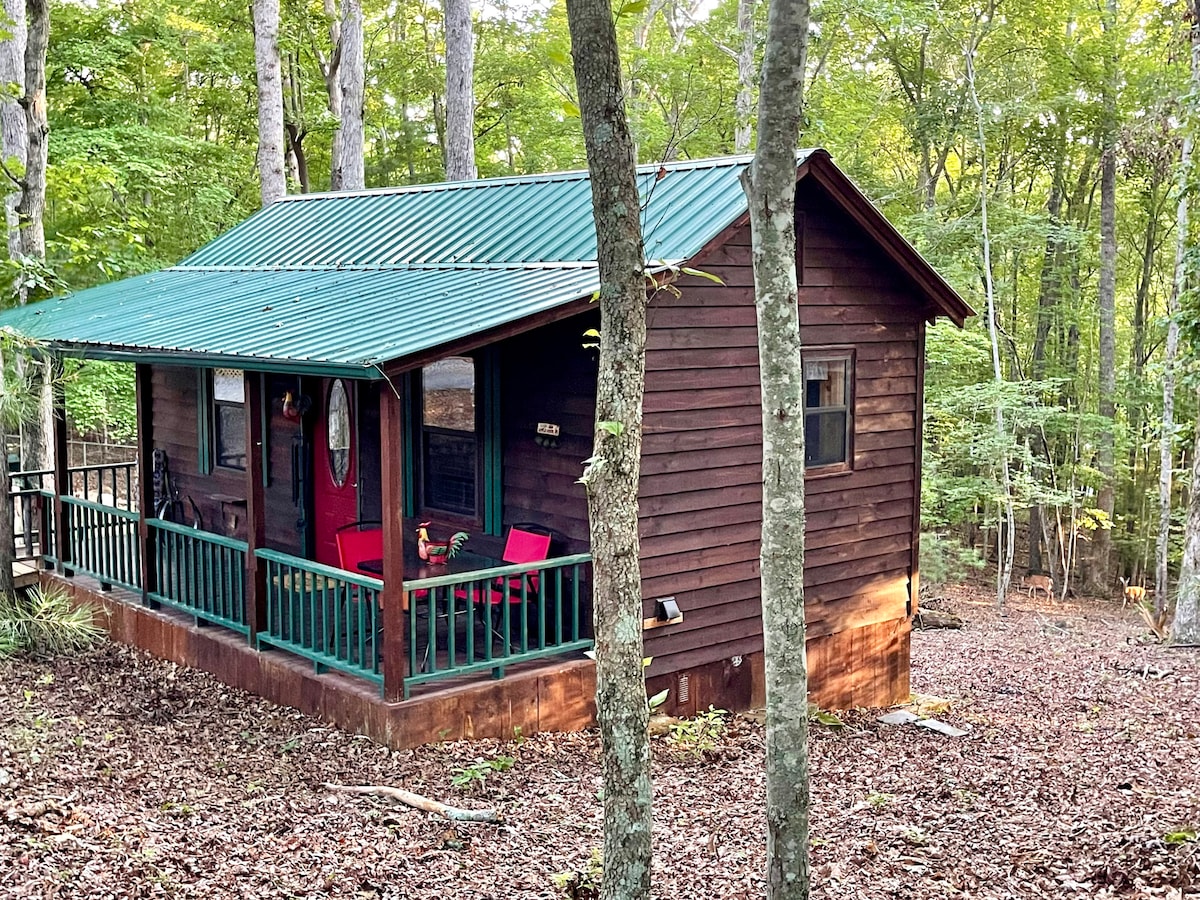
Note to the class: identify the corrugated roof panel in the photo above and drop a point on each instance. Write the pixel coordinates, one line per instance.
(495, 221)
(352, 319)
(349, 280)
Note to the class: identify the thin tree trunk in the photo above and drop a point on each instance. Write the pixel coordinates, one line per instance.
(612, 474)
(460, 92)
(348, 173)
(1185, 630)
(15, 140)
(35, 449)
(743, 102)
(1186, 627)
(770, 186)
(1006, 530)
(270, 100)
(330, 70)
(1107, 293)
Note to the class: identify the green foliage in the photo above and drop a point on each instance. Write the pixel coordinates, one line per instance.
(945, 560)
(100, 398)
(824, 717)
(45, 622)
(699, 735)
(476, 775)
(584, 884)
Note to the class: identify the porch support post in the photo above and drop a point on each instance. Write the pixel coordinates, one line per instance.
(392, 471)
(62, 473)
(145, 464)
(256, 522)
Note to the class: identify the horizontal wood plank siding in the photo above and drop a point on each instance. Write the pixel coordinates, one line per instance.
(547, 375)
(701, 490)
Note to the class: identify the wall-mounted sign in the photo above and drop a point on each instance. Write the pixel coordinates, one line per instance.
(548, 429)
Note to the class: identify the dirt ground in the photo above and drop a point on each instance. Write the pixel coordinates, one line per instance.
(122, 776)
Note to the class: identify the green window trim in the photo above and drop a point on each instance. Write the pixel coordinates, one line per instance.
(204, 424)
(489, 433)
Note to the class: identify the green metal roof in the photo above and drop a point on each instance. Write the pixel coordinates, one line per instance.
(341, 282)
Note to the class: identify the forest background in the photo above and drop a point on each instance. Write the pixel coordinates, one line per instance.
(152, 112)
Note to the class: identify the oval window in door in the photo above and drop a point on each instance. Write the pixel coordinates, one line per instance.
(338, 429)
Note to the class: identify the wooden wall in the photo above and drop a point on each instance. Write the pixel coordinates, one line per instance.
(175, 424)
(701, 492)
(547, 375)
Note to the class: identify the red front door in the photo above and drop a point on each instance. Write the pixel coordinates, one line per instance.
(335, 468)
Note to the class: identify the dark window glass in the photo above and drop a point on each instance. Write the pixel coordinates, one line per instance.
(449, 449)
(826, 411)
(337, 429)
(229, 418)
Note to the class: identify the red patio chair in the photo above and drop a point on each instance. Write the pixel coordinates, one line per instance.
(356, 544)
(521, 547)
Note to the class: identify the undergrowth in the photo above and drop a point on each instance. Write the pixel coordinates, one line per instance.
(44, 622)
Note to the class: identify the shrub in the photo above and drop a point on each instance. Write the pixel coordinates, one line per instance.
(945, 560)
(44, 621)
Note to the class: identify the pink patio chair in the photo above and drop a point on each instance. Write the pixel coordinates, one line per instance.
(521, 547)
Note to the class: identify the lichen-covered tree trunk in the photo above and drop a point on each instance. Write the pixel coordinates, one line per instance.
(348, 168)
(1099, 581)
(460, 92)
(612, 474)
(270, 100)
(1185, 629)
(743, 100)
(15, 142)
(771, 193)
(31, 207)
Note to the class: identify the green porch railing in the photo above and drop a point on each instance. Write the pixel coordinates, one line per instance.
(103, 541)
(490, 618)
(200, 573)
(326, 615)
(47, 527)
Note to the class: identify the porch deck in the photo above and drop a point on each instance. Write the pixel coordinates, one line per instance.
(540, 695)
(454, 629)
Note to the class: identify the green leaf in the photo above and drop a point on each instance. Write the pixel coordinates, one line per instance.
(559, 57)
(592, 332)
(658, 699)
(616, 429)
(570, 110)
(633, 8)
(1182, 836)
(700, 273)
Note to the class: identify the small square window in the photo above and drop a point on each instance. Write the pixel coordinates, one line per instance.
(827, 417)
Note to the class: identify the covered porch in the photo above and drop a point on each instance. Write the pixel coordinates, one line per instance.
(284, 507)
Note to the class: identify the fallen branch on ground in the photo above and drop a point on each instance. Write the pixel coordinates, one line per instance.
(416, 801)
(932, 618)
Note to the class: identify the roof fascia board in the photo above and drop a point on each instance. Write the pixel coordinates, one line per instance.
(214, 361)
(855, 203)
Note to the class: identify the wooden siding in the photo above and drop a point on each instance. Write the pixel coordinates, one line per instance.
(701, 486)
(547, 375)
(175, 422)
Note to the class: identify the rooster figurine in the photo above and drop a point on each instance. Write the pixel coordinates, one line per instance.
(438, 552)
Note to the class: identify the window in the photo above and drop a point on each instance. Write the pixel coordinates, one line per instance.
(827, 397)
(449, 445)
(337, 432)
(229, 418)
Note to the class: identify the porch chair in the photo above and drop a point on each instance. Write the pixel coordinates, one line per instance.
(522, 546)
(356, 544)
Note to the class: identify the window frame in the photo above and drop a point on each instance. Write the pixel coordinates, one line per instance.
(419, 430)
(832, 354)
(215, 407)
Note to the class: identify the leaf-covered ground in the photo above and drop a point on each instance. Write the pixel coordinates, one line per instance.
(121, 776)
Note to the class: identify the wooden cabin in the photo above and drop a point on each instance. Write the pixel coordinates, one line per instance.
(341, 370)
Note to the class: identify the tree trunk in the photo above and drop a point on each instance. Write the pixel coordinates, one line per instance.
(1186, 627)
(771, 194)
(333, 86)
(743, 102)
(31, 206)
(1185, 630)
(15, 142)
(270, 100)
(612, 474)
(460, 92)
(1099, 581)
(348, 174)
